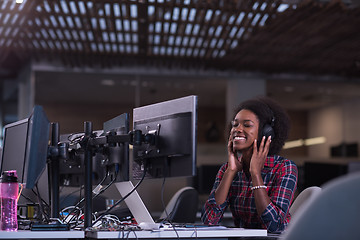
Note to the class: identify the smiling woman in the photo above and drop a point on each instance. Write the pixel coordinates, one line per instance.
(255, 183)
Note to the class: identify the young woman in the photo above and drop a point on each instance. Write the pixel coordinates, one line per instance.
(255, 183)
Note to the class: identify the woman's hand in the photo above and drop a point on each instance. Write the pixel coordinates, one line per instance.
(259, 156)
(234, 166)
(235, 161)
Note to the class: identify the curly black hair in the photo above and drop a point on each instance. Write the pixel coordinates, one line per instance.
(269, 112)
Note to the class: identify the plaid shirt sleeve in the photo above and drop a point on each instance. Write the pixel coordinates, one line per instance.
(276, 216)
(212, 213)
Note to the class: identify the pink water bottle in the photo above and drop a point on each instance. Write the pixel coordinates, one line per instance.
(9, 190)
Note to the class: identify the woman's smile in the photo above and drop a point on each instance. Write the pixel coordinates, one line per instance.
(244, 130)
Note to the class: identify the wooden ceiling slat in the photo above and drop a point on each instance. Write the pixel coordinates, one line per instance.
(162, 31)
(108, 28)
(143, 30)
(99, 40)
(18, 24)
(191, 35)
(85, 28)
(310, 37)
(204, 31)
(246, 53)
(168, 30)
(93, 31)
(109, 21)
(199, 20)
(64, 47)
(211, 37)
(72, 31)
(222, 35)
(130, 33)
(243, 9)
(113, 29)
(122, 18)
(66, 29)
(36, 36)
(59, 42)
(152, 24)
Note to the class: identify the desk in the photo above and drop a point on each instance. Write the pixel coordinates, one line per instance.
(218, 234)
(185, 234)
(26, 234)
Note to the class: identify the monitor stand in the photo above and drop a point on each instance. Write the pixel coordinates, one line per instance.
(137, 206)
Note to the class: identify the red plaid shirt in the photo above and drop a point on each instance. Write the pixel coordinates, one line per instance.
(280, 177)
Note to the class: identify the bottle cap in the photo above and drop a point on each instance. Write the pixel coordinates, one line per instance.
(9, 176)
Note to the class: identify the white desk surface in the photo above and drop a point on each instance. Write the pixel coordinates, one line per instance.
(188, 233)
(27, 234)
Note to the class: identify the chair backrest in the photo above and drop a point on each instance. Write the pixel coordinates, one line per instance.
(332, 214)
(182, 207)
(303, 197)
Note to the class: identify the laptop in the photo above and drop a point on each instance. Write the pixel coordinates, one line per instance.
(137, 206)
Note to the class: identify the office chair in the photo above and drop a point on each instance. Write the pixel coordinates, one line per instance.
(182, 207)
(332, 214)
(303, 197)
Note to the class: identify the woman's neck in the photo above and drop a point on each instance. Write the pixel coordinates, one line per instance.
(246, 158)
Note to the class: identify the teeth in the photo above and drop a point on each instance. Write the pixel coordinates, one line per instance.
(239, 138)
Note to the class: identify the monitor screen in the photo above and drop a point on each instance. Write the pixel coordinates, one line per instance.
(25, 147)
(14, 146)
(173, 151)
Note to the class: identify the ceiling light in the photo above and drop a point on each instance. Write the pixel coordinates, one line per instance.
(306, 142)
(107, 82)
(19, 1)
(293, 144)
(313, 141)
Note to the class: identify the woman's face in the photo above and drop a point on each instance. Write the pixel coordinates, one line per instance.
(244, 130)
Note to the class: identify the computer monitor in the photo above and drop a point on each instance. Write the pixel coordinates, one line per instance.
(72, 168)
(118, 154)
(108, 160)
(15, 137)
(345, 150)
(25, 147)
(172, 153)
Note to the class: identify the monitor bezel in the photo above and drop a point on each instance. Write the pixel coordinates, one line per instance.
(4, 145)
(35, 149)
(164, 110)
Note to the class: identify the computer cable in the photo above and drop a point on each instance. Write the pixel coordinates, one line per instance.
(122, 199)
(38, 196)
(128, 234)
(70, 219)
(76, 206)
(162, 199)
(101, 189)
(41, 205)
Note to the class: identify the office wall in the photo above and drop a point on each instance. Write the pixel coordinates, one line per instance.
(71, 116)
(338, 123)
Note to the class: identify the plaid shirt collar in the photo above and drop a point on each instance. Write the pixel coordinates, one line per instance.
(270, 162)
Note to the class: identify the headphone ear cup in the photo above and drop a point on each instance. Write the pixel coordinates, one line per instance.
(268, 131)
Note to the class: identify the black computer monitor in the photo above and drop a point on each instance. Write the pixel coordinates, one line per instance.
(72, 168)
(172, 153)
(118, 154)
(25, 147)
(106, 162)
(14, 145)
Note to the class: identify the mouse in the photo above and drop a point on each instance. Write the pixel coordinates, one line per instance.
(149, 226)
